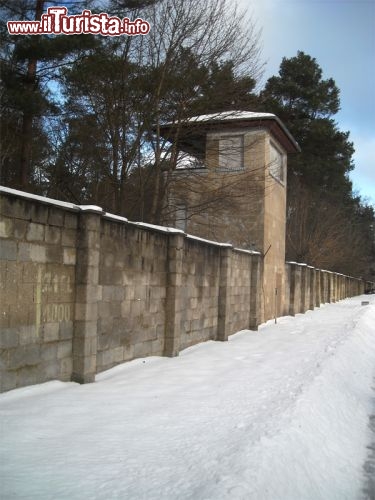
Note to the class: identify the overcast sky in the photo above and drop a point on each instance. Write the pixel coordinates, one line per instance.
(340, 34)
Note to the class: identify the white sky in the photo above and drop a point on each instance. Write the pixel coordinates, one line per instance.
(340, 34)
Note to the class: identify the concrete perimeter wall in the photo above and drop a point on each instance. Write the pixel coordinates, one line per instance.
(82, 290)
(309, 287)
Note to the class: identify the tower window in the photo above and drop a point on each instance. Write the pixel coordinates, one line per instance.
(181, 217)
(231, 153)
(276, 163)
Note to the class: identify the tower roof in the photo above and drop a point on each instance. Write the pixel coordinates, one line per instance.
(192, 131)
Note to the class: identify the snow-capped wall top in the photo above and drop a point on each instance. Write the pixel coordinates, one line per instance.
(41, 199)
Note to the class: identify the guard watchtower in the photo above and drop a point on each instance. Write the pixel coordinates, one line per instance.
(230, 186)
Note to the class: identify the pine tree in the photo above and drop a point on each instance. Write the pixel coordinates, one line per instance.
(327, 225)
(306, 103)
(29, 65)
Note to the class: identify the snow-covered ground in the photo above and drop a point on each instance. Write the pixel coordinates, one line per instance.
(279, 414)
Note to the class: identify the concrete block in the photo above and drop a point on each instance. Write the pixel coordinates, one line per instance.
(24, 356)
(29, 251)
(4, 358)
(69, 237)
(35, 232)
(108, 259)
(129, 292)
(38, 213)
(4, 313)
(65, 330)
(53, 235)
(87, 293)
(110, 276)
(86, 312)
(114, 340)
(55, 217)
(50, 332)
(197, 324)
(48, 352)
(84, 366)
(87, 275)
(142, 350)
(54, 254)
(30, 272)
(81, 347)
(8, 380)
(128, 352)
(157, 347)
(12, 207)
(193, 303)
(85, 328)
(20, 228)
(32, 354)
(129, 325)
(125, 308)
(28, 375)
(136, 307)
(118, 354)
(113, 293)
(107, 358)
(71, 220)
(66, 368)
(119, 326)
(91, 240)
(13, 277)
(139, 336)
(99, 361)
(64, 349)
(51, 370)
(106, 310)
(105, 324)
(3, 271)
(8, 249)
(24, 250)
(90, 221)
(9, 338)
(207, 322)
(28, 334)
(69, 256)
(19, 314)
(158, 292)
(103, 342)
(6, 227)
(25, 294)
(156, 305)
(160, 329)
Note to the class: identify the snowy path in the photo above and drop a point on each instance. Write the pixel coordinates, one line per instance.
(369, 466)
(281, 413)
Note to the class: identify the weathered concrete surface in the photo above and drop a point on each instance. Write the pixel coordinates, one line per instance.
(37, 291)
(82, 291)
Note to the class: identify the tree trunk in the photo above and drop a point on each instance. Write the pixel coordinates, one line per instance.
(28, 115)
